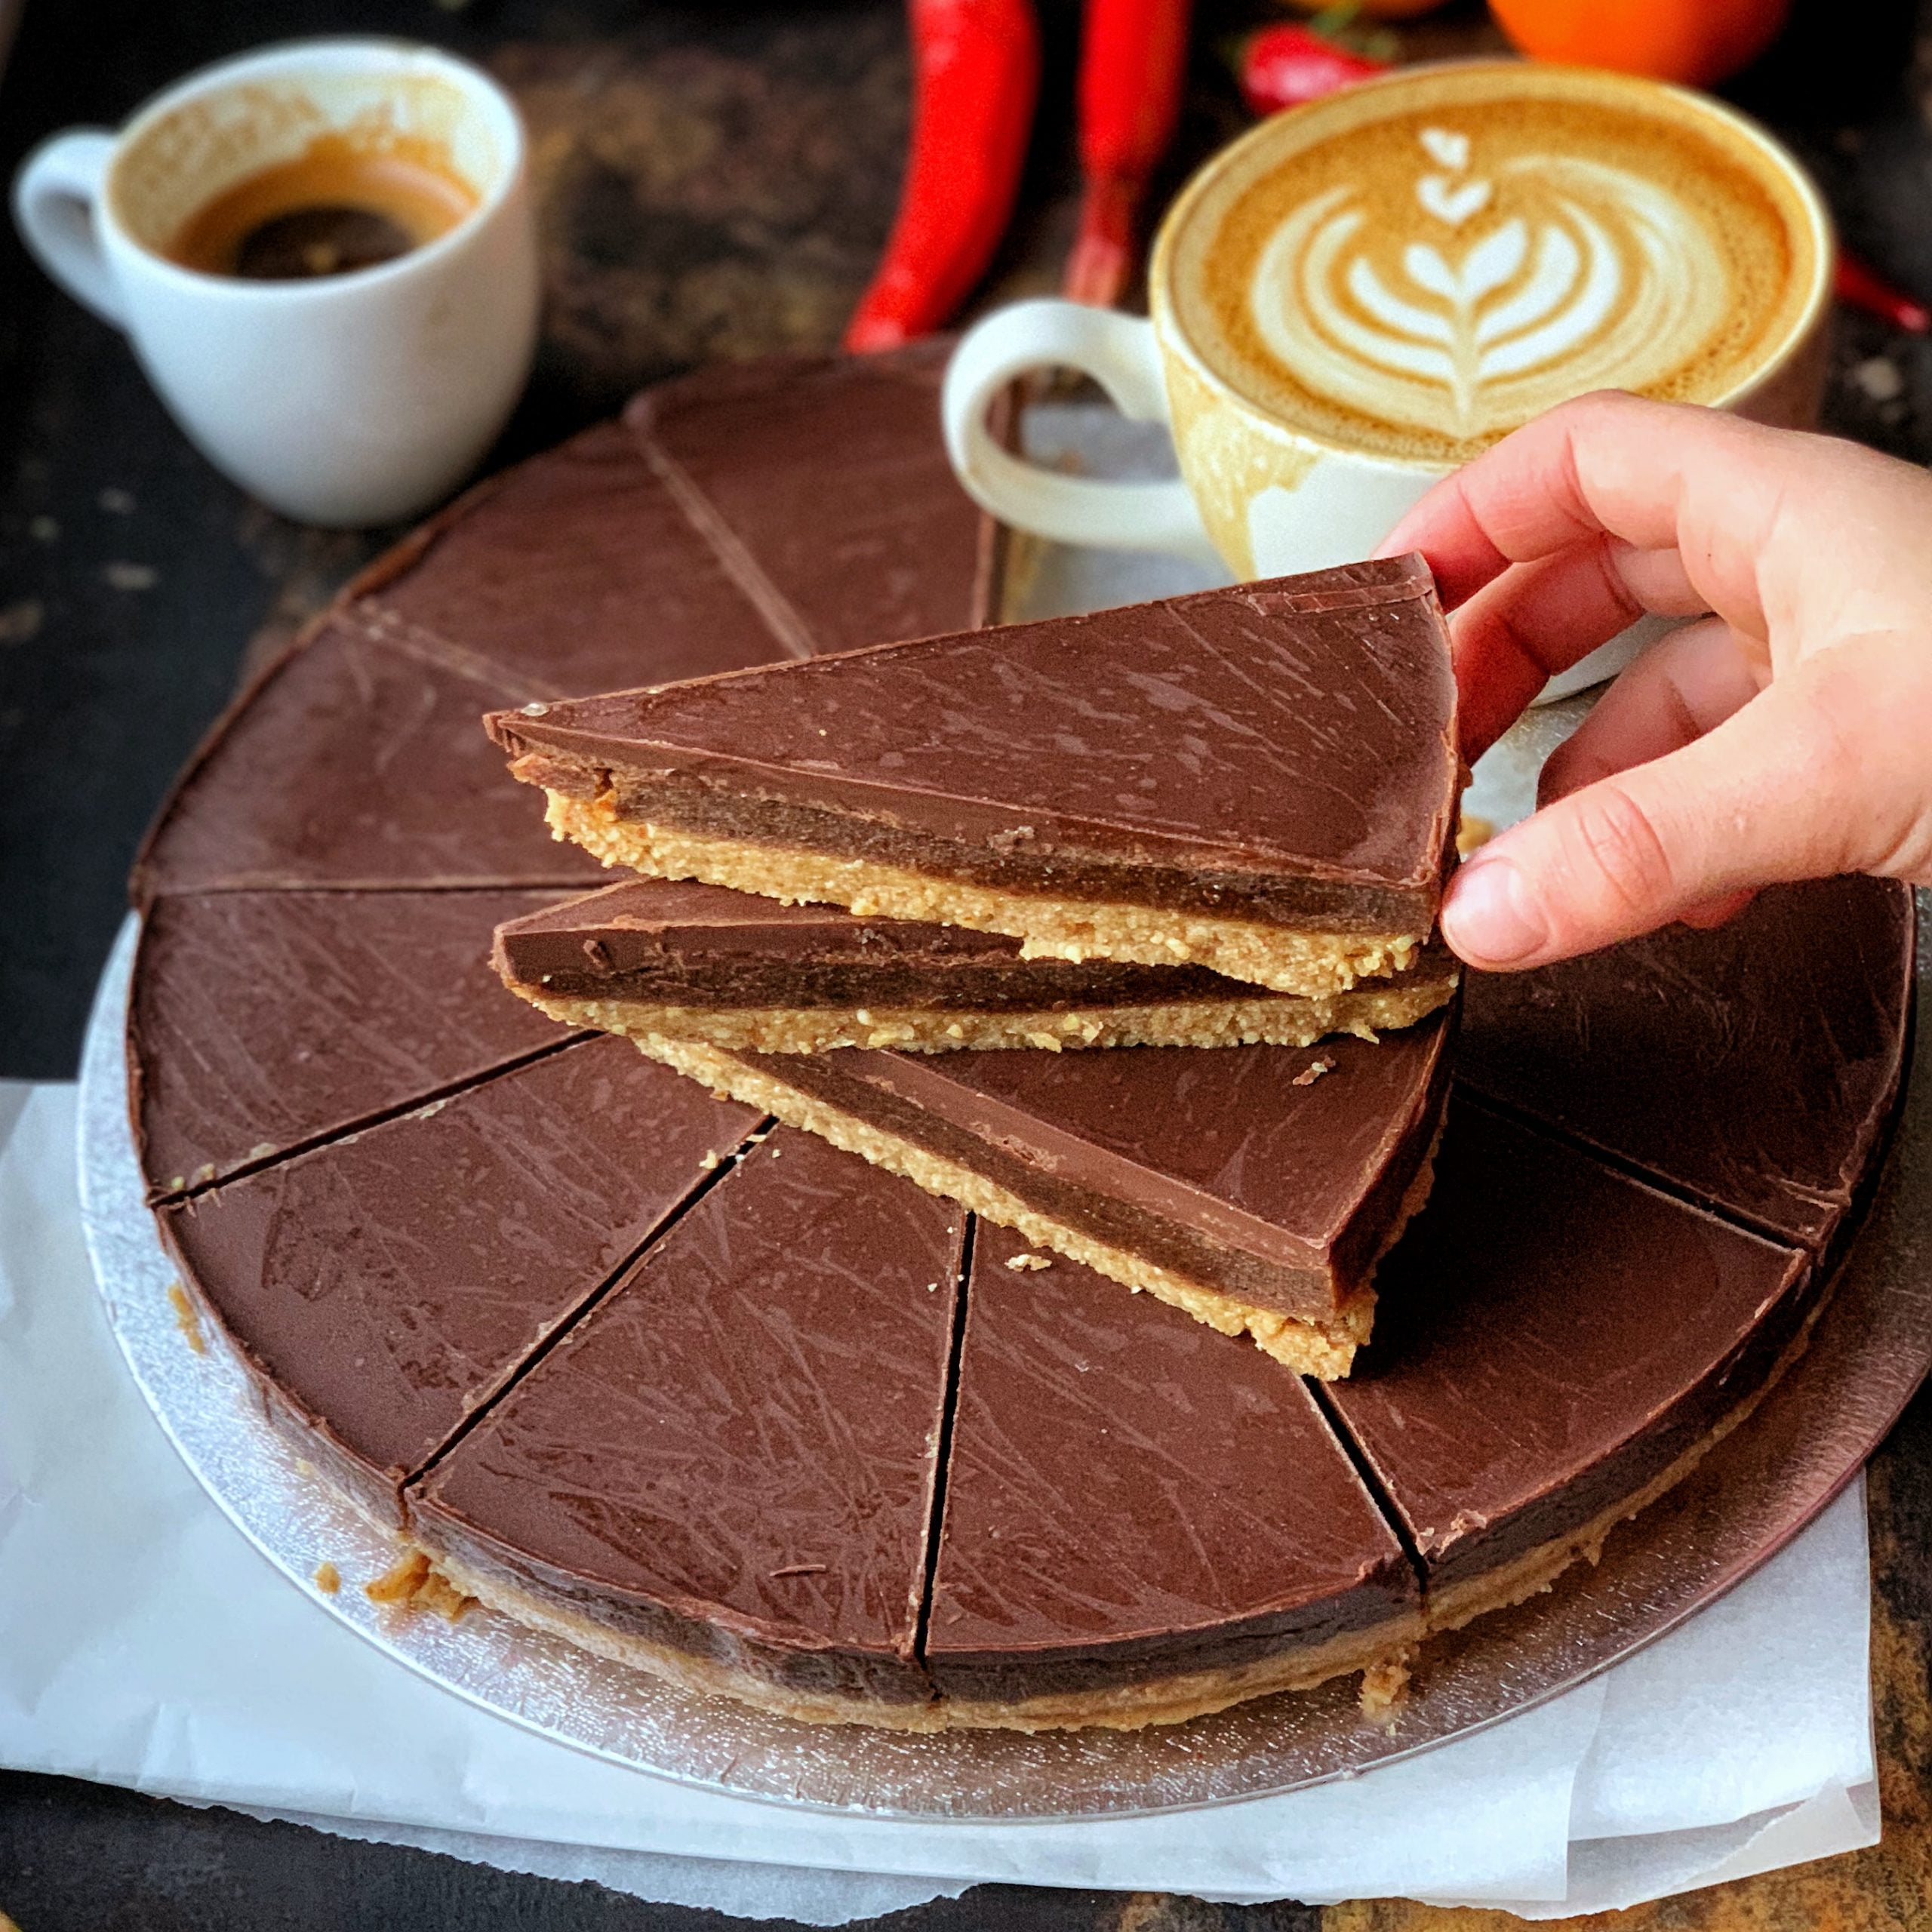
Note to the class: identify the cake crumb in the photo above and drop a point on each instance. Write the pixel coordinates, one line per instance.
(1385, 1689)
(1472, 832)
(328, 1579)
(1029, 1262)
(439, 1595)
(1312, 1072)
(411, 1583)
(185, 1318)
(401, 1580)
(709, 1163)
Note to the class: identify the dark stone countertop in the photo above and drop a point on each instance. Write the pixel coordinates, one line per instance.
(714, 182)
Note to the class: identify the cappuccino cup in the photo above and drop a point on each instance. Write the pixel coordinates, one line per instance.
(1362, 294)
(354, 395)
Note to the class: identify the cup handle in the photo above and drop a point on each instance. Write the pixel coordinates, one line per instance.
(1120, 353)
(57, 195)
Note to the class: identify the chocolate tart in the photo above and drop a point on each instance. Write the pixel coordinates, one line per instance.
(678, 960)
(1751, 1066)
(460, 1249)
(1261, 779)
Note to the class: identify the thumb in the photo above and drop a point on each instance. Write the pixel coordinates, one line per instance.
(1769, 795)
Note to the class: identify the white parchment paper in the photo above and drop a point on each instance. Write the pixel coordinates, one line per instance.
(144, 1642)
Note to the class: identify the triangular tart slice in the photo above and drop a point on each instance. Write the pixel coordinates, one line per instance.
(1256, 1187)
(675, 958)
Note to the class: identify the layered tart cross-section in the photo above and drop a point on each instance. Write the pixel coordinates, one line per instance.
(686, 961)
(1255, 1187)
(1262, 780)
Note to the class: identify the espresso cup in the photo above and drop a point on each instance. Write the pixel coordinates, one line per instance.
(346, 399)
(1360, 294)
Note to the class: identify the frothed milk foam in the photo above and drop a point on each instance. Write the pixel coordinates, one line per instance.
(1416, 268)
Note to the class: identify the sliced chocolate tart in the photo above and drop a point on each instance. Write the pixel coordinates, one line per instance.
(724, 1474)
(385, 1286)
(1142, 1525)
(1561, 1343)
(684, 961)
(1256, 1187)
(1262, 780)
(262, 1021)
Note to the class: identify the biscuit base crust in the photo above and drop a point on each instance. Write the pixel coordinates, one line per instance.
(1314, 965)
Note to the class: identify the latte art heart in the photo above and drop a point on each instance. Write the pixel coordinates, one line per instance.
(1601, 277)
(1417, 267)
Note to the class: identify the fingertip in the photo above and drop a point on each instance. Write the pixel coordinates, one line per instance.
(1491, 917)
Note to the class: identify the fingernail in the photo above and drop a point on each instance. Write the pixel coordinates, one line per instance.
(1491, 916)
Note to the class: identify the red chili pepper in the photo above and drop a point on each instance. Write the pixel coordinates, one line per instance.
(1133, 59)
(1864, 288)
(977, 70)
(1283, 66)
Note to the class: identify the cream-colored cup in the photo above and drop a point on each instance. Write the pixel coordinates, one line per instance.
(349, 399)
(1360, 294)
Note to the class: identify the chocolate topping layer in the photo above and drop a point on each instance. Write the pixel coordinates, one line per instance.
(353, 762)
(1285, 751)
(574, 571)
(1129, 1496)
(677, 941)
(1237, 1167)
(1552, 1336)
(386, 1285)
(261, 1021)
(1754, 1065)
(849, 523)
(734, 1454)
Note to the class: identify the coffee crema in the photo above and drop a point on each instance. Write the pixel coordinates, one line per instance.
(338, 206)
(1417, 267)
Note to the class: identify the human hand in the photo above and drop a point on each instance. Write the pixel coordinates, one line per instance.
(1787, 736)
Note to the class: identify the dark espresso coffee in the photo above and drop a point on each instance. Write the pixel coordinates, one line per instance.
(335, 209)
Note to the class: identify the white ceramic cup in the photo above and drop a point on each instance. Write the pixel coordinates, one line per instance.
(345, 400)
(1262, 496)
